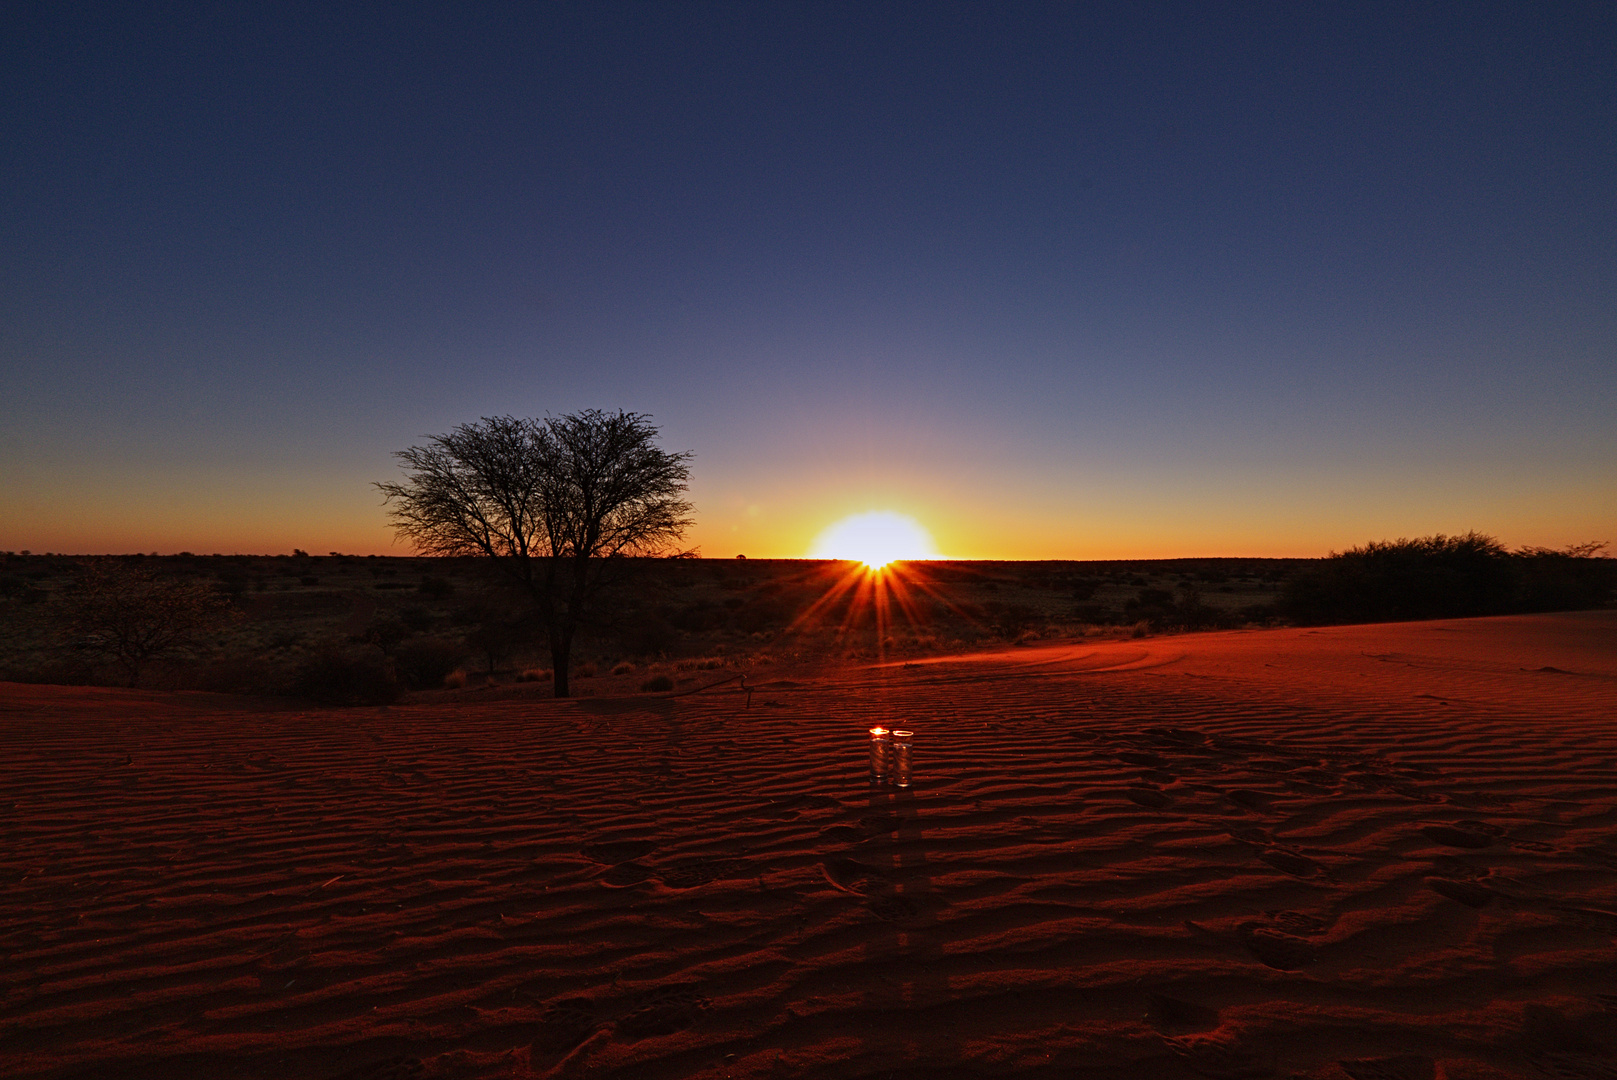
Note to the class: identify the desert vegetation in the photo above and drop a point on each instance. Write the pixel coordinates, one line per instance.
(563, 508)
(1447, 577)
(347, 629)
(350, 630)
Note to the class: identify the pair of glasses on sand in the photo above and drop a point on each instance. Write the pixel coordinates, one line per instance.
(890, 757)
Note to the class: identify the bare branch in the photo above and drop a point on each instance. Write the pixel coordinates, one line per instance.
(553, 503)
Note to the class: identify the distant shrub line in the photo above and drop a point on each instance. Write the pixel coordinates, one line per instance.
(1446, 577)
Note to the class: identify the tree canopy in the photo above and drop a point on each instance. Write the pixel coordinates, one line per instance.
(556, 504)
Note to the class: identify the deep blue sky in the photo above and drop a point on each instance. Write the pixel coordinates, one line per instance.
(1059, 280)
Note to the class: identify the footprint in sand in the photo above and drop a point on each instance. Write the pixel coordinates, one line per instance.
(1276, 948)
(1322, 777)
(1248, 799)
(1183, 736)
(870, 826)
(1296, 865)
(663, 1011)
(1219, 1060)
(1468, 893)
(613, 852)
(1296, 922)
(1402, 1067)
(1604, 922)
(1172, 1016)
(893, 908)
(1464, 834)
(876, 824)
(688, 875)
(853, 877)
(565, 1024)
(1452, 866)
(1532, 845)
(624, 875)
(792, 806)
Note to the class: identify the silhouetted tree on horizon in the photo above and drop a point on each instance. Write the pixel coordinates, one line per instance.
(556, 504)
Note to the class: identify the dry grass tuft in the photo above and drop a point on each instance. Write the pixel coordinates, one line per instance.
(534, 674)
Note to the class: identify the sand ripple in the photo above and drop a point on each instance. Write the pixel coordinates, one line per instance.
(1371, 852)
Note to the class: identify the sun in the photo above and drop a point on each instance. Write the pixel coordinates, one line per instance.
(875, 539)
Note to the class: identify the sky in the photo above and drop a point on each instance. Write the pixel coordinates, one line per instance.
(1058, 281)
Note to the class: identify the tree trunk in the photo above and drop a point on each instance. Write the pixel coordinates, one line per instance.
(560, 650)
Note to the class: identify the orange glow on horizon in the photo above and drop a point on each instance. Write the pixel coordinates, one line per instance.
(876, 539)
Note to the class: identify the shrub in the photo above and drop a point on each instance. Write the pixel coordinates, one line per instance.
(585, 671)
(1097, 614)
(657, 684)
(437, 588)
(424, 663)
(455, 679)
(135, 616)
(623, 668)
(1433, 577)
(241, 675)
(418, 619)
(498, 629)
(534, 674)
(1566, 580)
(338, 677)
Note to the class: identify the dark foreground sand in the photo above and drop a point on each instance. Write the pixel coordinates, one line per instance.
(1382, 852)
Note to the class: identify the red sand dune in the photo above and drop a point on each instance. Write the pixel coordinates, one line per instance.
(1380, 852)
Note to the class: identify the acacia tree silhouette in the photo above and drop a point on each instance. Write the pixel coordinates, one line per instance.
(558, 505)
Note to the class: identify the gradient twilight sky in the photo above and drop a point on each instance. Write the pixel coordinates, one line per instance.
(1058, 280)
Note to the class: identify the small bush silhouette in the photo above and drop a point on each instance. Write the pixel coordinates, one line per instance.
(455, 679)
(424, 663)
(623, 668)
(437, 588)
(657, 684)
(533, 674)
(339, 677)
